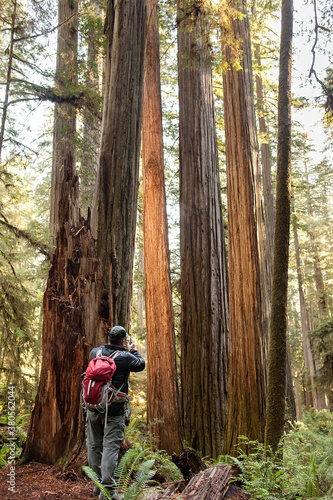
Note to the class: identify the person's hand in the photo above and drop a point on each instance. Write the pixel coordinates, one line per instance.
(130, 345)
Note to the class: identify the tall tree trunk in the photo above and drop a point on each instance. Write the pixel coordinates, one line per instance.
(297, 372)
(248, 309)
(310, 392)
(204, 279)
(320, 287)
(278, 326)
(162, 390)
(126, 28)
(91, 126)
(72, 325)
(269, 208)
(8, 76)
(268, 196)
(64, 129)
(318, 276)
(299, 411)
(290, 396)
(141, 288)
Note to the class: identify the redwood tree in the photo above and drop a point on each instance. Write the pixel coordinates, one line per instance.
(118, 176)
(204, 281)
(64, 129)
(72, 324)
(162, 390)
(246, 378)
(278, 325)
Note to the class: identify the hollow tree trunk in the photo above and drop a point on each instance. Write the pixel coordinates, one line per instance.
(162, 391)
(204, 276)
(118, 181)
(248, 304)
(72, 325)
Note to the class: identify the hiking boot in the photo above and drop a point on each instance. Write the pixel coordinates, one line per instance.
(96, 491)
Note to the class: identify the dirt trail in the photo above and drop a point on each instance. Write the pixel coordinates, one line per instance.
(35, 481)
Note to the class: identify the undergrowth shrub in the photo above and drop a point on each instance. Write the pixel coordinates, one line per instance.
(302, 468)
(20, 437)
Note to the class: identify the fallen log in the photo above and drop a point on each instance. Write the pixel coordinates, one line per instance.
(210, 484)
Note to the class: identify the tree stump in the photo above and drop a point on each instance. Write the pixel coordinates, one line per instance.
(189, 463)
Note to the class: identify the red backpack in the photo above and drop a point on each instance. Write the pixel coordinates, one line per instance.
(97, 389)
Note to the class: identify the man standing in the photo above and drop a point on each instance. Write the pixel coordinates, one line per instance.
(103, 441)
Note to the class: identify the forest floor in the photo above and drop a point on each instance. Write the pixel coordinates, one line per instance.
(35, 481)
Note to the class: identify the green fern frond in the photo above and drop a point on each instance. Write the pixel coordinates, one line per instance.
(121, 469)
(142, 478)
(94, 478)
(239, 464)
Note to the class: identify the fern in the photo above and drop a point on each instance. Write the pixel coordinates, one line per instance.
(142, 478)
(125, 470)
(94, 478)
(125, 477)
(127, 464)
(138, 462)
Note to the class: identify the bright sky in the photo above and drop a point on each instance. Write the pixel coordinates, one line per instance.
(302, 85)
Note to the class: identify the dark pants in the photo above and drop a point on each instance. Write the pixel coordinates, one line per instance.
(103, 445)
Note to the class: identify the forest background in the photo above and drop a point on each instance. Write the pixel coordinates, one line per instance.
(29, 52)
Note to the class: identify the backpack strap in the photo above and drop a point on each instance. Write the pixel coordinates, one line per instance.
(113, 356)
(116, 391)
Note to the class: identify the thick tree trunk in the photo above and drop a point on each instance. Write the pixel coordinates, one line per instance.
(248, 304)
(204, 278)
(72, 325)
(64, 129)
(278, 326)
(126, 27)
(162, 390)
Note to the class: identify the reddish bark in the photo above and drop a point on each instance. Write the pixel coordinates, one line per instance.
(162, 392)
(72, 325)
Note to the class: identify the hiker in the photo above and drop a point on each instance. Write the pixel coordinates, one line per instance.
(103, 439)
